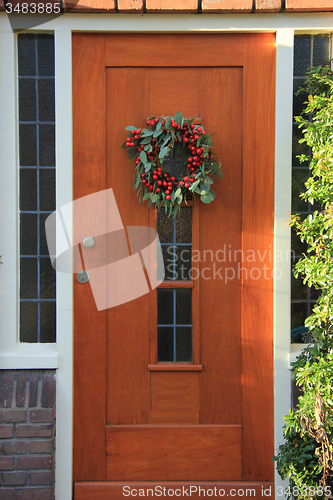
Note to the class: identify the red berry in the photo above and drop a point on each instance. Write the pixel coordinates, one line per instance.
(188, 165)
(190, 160)
(168, 197)
(187, 185)
(136, 137)
(151, 188)
(155, 177)
(167, 191)
(133, 132)
(132, 144)
(191, 126)
(186, 179)
(199, 129)
(158, 190)
(143, 176)
(185, 139)
(159, 183)
(191, 180)
(195, 158)
(165, 184)
(138, 131)
(196, 137)
(182, 183)
(165, 175)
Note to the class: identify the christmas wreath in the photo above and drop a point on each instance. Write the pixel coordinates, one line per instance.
(150, 146)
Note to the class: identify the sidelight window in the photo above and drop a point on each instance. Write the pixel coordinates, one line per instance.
(37, 185)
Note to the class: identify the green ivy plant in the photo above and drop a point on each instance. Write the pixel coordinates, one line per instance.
(306, 457)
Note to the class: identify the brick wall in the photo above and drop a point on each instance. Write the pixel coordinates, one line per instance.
(27, 434)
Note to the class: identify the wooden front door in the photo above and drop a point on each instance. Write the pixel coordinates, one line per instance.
(210, 420)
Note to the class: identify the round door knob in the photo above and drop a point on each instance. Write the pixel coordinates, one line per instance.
(88, 242)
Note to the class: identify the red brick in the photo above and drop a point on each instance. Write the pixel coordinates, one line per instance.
(34, 430)
(6, 463)
(48, 391)
(6, 431)
(7, 494)
(309, 5)
(20, 388)
(6, 390)
(33, 389)
(41, 478)
(40, 447)
(230, 6)
(89, 5)
(267, 5)
(14, 415)
(35, 494)
(42, 415)
(25, 463)
(172, 6)
(14, 447)
(14, 478)
(128, 6)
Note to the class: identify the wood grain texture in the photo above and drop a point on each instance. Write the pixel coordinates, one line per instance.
(162, 453)
(148, 50)
(174, 398)
(89, 324)
(220, 106)
(114, 490)
(128, 380)
(258, 227)
(174, 89)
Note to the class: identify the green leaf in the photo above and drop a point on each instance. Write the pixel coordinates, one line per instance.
(178, 118)
(146, 196)
(163, 152)
(158, 132)
(154, 197)
(147, 133)
(207, 140)
(167, 124)
(207, 198)
(146, 140)
(159, 125)
(130, 128)
(210, 180)
(143, 157)
(204, 187)
(147, 167)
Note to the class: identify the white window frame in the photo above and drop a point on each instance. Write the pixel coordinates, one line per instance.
(14, 355)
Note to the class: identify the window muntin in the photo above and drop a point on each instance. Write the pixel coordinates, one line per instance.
(37, 185)
(174, 305)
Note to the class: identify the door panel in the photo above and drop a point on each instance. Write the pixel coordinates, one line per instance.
(200, 452)
(199, 423)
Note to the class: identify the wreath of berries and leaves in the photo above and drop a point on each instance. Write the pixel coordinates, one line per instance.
(149, 147)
